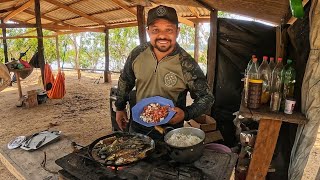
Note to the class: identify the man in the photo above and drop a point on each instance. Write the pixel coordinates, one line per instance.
(162, 68)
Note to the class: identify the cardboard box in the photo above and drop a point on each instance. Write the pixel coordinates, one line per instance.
(204, 122)
(213, 136)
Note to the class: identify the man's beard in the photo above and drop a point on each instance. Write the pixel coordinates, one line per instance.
(162, 48)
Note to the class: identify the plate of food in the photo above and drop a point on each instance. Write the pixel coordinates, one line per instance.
(153, 111)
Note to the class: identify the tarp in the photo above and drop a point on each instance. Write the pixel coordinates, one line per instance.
(237, 41)
(310, 100)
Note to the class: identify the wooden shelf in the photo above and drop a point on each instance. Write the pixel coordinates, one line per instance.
(264, 113)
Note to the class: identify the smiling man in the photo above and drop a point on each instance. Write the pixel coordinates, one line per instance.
(162, 68)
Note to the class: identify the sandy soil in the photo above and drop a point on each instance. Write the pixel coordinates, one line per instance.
(82, 115)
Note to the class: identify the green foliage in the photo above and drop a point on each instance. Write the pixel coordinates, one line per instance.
(186, 37)
(121, 43)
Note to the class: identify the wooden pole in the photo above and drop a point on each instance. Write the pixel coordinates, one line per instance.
(141, 24)
(5, 47)
(40, 37)
(196, 42)
(57, 51)
(212, 48)
(107, 73)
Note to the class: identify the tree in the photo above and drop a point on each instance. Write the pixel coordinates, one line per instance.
(121, 43)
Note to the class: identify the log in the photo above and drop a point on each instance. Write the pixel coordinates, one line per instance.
(5, 47)
(40, 37)
(141, 24)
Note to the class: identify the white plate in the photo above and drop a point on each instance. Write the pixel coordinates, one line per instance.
(15, 143)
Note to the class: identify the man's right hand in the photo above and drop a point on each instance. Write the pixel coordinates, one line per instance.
(122, 119)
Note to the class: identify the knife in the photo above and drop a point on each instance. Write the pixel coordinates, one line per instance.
(40, 142)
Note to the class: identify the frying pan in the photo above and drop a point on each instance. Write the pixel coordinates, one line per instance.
(119, 134)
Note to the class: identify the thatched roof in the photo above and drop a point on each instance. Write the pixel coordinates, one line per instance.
(95, 15)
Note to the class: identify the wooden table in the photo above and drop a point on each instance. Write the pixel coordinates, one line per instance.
(17, 74)
(269, 127)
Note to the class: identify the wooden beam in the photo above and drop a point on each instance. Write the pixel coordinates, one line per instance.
(107, 73)
(125, 7)
(196, 42)
(194, 11)
(17, 25)
(263, 149)
(99, 21)
(17, 11)
(185, 21)
(71, 28)
(57, 50)
(212, 49)
(5, 47)
(3, 1)
(40, 37)
(17, 37)
(141, 24)
(121, 25)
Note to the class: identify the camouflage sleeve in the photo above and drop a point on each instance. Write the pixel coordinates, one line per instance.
(127, 78)
(198, 88)
(125, 84)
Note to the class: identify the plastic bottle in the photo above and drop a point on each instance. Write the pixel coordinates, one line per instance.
(246, 80)
(265, 76)
(289, 78)
(272, 64)
(276, 86)
(253, 72)
(255, 85)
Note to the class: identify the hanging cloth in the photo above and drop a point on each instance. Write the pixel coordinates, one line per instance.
(4, 77)
(58, 89)
(48, 77)
(310, 100)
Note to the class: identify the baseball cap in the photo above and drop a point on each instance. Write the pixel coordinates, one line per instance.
(162, 12)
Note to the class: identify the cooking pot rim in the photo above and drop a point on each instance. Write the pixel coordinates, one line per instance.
(169, 134)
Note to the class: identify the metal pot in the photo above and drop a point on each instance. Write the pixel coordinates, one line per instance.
(186, 154)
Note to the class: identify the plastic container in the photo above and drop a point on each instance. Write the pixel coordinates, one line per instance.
(254, 93)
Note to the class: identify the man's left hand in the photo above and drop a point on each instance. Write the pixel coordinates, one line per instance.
(178, 117)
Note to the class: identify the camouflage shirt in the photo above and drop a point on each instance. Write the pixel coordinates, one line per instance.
(172, 77)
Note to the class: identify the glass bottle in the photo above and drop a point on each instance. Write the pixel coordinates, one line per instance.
(289, 78)
(272, 64)
(265, 76)
(246, 80)
(276, 86)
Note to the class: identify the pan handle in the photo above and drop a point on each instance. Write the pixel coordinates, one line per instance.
(162, 130)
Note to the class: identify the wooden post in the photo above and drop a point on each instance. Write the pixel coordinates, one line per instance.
(107, 73)
(263, 149)
(212, 48)
(141, 24)
(57, 51)
(196, 41)
(278, 42)
(40, 37)
(5, 47)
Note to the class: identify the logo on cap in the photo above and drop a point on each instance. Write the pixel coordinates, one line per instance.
(161, 11)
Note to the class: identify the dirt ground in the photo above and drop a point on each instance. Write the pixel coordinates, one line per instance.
(83, 115)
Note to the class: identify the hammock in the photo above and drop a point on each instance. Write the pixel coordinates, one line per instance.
(48, 77)
(58, 89)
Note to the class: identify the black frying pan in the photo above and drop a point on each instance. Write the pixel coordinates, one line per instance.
(119, 134)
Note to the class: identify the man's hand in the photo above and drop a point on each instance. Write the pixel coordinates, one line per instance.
(178, 117)
(122, 119)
